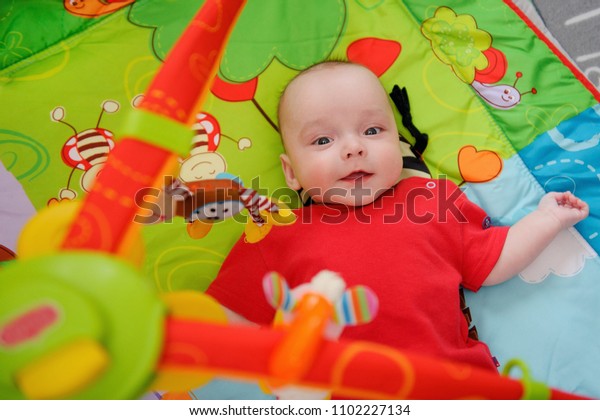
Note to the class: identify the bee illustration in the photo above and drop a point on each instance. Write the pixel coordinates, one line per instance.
(203, 170)
(204, 161)
(86, 150)
(93, 8)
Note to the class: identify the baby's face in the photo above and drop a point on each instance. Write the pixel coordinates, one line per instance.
(340, 136)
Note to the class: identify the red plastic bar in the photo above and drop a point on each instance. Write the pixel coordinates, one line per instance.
(349, 369)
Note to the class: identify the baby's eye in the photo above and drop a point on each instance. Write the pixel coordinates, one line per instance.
(322, 141)
(371, 131)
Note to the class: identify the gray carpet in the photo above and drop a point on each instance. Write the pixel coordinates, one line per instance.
(575, 24)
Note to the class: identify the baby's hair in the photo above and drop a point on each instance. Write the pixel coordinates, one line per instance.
(330, 62)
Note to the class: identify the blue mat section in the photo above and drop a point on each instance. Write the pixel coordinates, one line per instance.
(548, 316)
(568, 158)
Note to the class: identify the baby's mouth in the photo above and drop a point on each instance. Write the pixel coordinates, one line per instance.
(356, 175)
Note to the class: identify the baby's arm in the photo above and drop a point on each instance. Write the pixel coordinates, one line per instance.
(528, 237)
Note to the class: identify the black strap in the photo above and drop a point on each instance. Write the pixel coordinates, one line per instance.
(400, 98)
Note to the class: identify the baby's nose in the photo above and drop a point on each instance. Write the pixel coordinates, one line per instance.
(354, 149)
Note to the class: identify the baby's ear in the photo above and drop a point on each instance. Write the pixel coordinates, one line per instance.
(288, 172)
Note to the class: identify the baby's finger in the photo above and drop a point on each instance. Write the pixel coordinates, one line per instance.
(553, 197)
(568, 199)
(576, 202)
(564, 198)
(583, 206)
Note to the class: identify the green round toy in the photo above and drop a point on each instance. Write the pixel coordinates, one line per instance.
(54, 306)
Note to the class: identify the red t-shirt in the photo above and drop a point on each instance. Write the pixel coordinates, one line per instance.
(413, 246)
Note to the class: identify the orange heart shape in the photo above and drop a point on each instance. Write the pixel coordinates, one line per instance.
(478, 165)
(216, 14)
(200, 65)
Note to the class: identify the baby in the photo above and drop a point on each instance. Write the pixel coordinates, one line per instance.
(413, 241)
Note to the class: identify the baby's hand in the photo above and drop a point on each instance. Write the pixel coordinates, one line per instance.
(565, 207)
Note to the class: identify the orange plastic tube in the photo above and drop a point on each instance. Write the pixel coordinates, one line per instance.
(294, 356)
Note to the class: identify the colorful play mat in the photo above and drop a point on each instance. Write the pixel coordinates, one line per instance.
(507, 115)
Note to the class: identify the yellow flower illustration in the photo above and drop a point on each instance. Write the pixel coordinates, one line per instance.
(457, 42)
